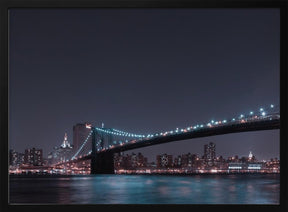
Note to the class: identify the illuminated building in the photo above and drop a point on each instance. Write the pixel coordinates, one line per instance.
(33, 157)
(62, 153)
(254, 166)
(118, 160)
(177, 161)
(210, 153)
(273, 165)
(236, 166)
(141, 160)
(53, 157)
(164, 161)
(251, 157)
(12, 157)
(185, 160)
(15, 158)
(65, 143)
(80, 133)
(188, 160)
(132, 161)
(65, 150)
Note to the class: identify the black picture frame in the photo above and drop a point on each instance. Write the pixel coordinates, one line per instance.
(5, 5)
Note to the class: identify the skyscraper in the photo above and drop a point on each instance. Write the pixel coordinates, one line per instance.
(80, 133)
(65, 149)
(33, 157)
(209, 152)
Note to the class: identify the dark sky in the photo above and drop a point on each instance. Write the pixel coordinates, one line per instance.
(142, 71)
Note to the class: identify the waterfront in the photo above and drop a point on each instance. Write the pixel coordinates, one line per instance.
(146, 189)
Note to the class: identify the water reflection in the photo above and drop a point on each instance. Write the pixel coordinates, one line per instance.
(135, 189)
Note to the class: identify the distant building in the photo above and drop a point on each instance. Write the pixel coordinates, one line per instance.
(33, 157)
(118, 160)
(164, 161)
(12, 157)
(245, 164)
(141, 160)
(236, 166)
(220, 163)
(210, 153)
(132, 161)
(185, 161)
(254, 166)
(65, 150)
(15, 158)
(53, 157)
(251, 157)
(62, 153)
(273, 165)
(80, 133)
(177, 161)
(188, 160)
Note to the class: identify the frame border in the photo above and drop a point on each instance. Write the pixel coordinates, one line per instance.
(4, 77)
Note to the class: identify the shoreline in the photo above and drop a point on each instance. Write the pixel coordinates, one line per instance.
(154, 174)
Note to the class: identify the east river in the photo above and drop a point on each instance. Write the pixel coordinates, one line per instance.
(146, 189)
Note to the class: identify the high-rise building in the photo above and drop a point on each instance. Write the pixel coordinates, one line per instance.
(80, 133)
(164, 161)
(15, 158)
(65, 150)
(12, 157)
(188, 159)
(62, 153)
(209, 152)
(33, 157)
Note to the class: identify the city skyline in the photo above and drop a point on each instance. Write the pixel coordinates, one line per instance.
(142, 71)
(153, 157)
(32, 162)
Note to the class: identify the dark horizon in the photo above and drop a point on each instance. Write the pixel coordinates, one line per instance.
(142, 71)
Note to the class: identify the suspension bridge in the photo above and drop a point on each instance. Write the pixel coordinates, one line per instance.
(102, 143)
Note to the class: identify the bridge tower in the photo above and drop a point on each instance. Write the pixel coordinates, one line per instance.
(101, 162)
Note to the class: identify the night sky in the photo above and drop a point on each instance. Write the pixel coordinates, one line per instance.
(142, 71)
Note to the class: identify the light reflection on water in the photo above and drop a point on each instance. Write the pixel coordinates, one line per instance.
(147, 189)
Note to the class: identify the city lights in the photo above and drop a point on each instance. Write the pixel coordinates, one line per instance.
(82, 153)
(116, 132)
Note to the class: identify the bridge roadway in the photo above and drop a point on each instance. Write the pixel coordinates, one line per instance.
(201, 132)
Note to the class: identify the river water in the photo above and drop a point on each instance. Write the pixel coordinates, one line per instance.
(146, 189)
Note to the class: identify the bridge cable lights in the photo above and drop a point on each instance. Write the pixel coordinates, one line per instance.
(82, 145)
(126, 134)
